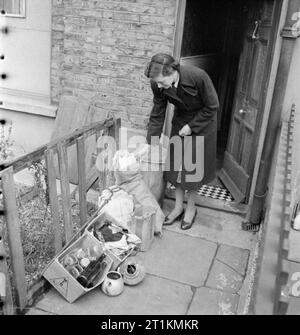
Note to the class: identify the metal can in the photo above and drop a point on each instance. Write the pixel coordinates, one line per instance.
(70, 260)
(84, 262)
(74, 271)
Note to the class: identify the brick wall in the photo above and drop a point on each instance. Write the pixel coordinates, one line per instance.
(101, 48)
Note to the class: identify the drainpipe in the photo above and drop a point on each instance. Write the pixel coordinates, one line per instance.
(289, 34)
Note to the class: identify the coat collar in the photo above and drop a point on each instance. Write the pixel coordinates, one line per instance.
(185, 78)
(186, 84)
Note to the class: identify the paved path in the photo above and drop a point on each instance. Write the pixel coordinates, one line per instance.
(205, 270)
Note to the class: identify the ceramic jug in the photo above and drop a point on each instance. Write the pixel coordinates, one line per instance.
(113, 284)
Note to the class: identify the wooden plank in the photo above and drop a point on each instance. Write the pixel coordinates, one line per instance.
(81, 179)
(26, 160)
(96, 113)
(107, 176)
(14, 236)
(8, 306)
(180, 18)
(91, 179)
(71, 115)
(74, 113)
(49, 156)
(115, 132)
(65, 189)
(92, 176)
(34, 292)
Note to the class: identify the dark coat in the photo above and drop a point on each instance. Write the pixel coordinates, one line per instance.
(196, 104)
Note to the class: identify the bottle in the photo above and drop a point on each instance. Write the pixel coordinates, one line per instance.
(96, 251)
(91, 271)
(93, 281)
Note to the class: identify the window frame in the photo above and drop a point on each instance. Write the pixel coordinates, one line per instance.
(22, 11)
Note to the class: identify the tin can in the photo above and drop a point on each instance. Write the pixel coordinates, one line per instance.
(80, 253)
(70, 260)
(74, 271)
(84, 262)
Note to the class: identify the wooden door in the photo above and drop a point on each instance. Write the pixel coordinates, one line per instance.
(248, 107)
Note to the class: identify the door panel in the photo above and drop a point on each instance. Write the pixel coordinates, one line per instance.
(250, 93)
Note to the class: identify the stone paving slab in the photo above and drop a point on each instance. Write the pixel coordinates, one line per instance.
(224, 278)
(181, 258)
(294, 246)
(294, 306)
(212, 302)
(215, 226)
(36, 311)
(152, 297)
(236, 258)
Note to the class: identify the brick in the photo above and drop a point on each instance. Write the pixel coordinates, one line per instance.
(105, 45)
(126, 16)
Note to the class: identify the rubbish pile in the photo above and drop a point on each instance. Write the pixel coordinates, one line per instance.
(128, 217)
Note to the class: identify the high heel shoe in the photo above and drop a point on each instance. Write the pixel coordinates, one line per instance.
(187, 225)
(168, 222)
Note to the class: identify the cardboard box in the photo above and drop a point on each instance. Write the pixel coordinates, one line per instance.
(61, 278)
(117, 261)
(143, 225)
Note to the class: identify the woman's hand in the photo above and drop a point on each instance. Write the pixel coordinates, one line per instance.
(185, 130)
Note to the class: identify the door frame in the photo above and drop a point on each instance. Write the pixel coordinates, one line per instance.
(279, 19)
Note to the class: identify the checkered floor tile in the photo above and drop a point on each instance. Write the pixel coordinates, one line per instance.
(214, 192)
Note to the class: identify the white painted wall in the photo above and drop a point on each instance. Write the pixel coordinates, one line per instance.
(293, 96)
(29, 131)
(27, 49)
(25, 94)
(293, 91)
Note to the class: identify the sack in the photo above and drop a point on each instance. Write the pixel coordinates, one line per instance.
(143, 225)
(152, 160)
(119, 205)
(125, 166)
(143, 196)
(128, 176)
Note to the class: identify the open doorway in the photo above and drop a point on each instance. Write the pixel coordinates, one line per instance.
(213, 39)
(234, 41)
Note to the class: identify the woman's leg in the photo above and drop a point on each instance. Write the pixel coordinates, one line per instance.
(179, 193)
(190, 207)
(179, 199)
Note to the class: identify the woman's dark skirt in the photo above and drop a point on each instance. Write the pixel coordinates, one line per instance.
(191, 179)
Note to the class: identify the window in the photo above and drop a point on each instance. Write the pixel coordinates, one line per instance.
(14, 8)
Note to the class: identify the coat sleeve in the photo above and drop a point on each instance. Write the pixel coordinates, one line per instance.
(210, 103)
(158, 112)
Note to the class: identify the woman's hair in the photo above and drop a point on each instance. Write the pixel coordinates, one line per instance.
(161, 64)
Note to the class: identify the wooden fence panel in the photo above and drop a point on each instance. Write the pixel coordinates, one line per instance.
(53, 199)
(81, 179)
(8, 306)
(65, 189)
(14, 236)
(26, 160)
(86, 179)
